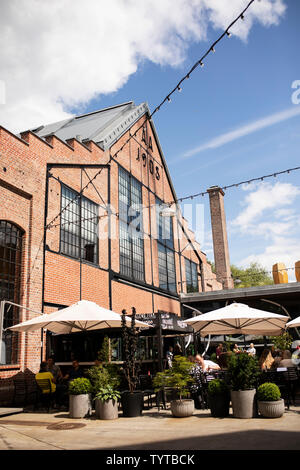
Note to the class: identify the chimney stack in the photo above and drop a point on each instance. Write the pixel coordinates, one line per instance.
(219, 233)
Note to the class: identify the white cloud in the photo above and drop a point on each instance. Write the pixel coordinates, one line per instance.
(60, 54)
(247, 129)
(282, 250)
(269, 226)
(266, 197)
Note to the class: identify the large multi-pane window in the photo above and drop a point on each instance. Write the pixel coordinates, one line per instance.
(79, 226)
(191, 275)
(10, 278)
(131, 226)
(165, 245)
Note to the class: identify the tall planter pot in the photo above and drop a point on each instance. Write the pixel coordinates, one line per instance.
(106, 409)
(243, 403)
(219, 405)
(132, 404)
(80, 405)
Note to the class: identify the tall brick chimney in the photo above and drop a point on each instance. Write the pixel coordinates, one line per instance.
(219, 233)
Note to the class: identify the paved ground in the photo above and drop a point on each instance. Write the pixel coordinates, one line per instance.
(152, 431)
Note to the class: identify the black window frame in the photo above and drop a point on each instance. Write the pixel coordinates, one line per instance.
(11, 261)
(165, 250)
(86, 212)
(131, 234)
(191, 276)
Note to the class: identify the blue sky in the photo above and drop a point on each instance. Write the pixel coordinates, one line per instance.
(242, 83)
(234, 119)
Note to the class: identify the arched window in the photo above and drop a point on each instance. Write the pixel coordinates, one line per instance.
(10, 279)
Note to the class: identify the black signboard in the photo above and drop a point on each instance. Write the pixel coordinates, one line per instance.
(169, 321)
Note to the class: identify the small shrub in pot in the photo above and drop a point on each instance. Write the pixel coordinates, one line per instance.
(106, 403)
(270, 403)
(177, 377)
(80, 397)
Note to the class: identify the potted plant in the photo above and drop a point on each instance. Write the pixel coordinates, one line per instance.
(218, 398)
(103, 376)
(132, 399)
(80, 398)
(106, 403)
(270, 403)
(243, 373)
(178, 377)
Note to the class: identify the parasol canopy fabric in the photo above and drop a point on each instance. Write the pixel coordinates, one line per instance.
(238, 318)
(294, 323)
(81, 316)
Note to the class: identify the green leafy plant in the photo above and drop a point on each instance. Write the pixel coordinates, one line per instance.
(243, 371)
(104, 352)
(282, 342)
(268, 392)
(80, 386)
(177, 377)
(217, 387)
(107, 393)
(103, 376)
(131, 367)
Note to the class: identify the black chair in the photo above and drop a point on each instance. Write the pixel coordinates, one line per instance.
(147, 388)
(20, 395)
(290, 381)
(45, 395)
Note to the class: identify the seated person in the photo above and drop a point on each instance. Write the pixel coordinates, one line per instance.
(266, 360)
(210, 365)
(75, 372)
(277, 359)
(200, 362)
(45, 374)
(54, 369)
(251, 350)
(205, 364)
(286, 360)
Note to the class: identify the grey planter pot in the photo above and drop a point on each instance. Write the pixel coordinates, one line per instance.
(106, 409)
(243, 403)
(80, 405)
(271, 409)
(182, 408)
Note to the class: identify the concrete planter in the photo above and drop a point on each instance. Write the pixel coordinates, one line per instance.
(106, 409)
(182, 408)
(243, 403)
(271, 409)
(80, 405)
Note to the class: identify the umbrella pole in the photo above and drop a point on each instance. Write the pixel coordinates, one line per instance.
(159, 343)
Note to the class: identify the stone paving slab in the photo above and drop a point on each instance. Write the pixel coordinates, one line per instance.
(10, 411)
(153, 430)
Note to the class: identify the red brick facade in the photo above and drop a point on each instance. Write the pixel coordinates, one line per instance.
(50, 278)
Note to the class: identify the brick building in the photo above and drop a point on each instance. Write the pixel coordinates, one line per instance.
(82, 216)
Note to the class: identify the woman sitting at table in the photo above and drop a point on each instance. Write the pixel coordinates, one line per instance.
(286, 360)
(266, 360)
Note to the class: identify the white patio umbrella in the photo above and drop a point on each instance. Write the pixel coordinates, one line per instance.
(238, 318)
(294, 323)
(82, 316)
